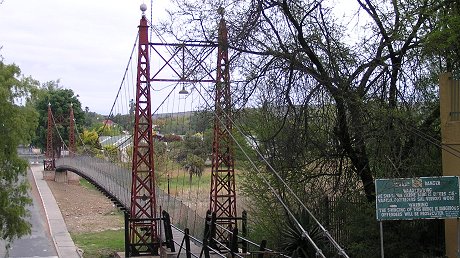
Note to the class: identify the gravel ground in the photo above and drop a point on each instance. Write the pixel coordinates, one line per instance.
(85, 209)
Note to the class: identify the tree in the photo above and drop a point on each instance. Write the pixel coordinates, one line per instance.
(17, 124)
(338, 100)
(298, 54)
(107, 130)
(126, 122)
(443, 41)
(194, 165)
(111, 153)
(92, 118)
(90, 141)
(60, 100)
(194, 144)
(200, 121)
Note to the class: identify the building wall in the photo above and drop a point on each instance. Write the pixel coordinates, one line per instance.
(449, 91)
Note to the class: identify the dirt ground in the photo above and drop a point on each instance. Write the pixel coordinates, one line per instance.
(85, 209)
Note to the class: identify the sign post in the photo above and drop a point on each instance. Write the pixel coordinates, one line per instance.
(381, 239)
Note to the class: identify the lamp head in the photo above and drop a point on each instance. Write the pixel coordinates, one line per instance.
(183, 91)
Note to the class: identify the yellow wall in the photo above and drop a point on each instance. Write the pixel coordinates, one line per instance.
(450, 134)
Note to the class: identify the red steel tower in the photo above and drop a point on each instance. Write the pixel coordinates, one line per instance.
(143, 236)
(48, 163)
(71, 132)
(223, 195)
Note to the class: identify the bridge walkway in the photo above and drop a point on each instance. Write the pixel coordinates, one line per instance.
(115, 181)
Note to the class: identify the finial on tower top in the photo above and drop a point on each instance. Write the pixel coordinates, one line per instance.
(49, 104)
(143, 8)
(221, 11)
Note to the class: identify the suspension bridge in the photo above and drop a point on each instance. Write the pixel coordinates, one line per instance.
(181, 222)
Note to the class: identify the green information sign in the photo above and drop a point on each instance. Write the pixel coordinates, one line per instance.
(417, 198)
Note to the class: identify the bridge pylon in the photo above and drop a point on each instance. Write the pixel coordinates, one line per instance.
(48, 162)
(143, 228)
(71, 132)
(223, 194)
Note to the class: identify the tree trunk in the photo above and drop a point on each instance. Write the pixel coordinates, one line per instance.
(356, 148)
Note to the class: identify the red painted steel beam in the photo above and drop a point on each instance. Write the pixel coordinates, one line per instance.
(175, 62)
(48, 163)
(186, 44)
(223, 194)
(143, 230)
(71, 132)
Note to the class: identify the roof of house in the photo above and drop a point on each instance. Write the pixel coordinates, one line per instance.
(121, 141)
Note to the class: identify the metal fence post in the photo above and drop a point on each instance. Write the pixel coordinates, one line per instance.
(212, 230)
(188, 252)
(127, 251)
(244, 228)
(234, 242)
(262, 249)
(168, 231)
(207, 234)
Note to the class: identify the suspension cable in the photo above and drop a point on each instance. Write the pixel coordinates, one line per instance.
(277, 196)
(123, 79)
(57, 130)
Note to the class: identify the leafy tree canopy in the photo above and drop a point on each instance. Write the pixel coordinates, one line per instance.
(17, 124)
(443, 40)
(344, 97)
(60, 100)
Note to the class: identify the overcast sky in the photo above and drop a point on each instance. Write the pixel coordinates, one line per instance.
(85, 44)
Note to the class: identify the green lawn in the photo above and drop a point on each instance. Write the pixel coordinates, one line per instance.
(183, 180)
(86, 184)
(100, 244)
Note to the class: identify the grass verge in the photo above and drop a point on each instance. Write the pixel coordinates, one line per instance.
(100, 244)
(86, 184)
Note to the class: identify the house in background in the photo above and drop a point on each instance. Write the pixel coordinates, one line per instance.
(122, 142)
(108, 122)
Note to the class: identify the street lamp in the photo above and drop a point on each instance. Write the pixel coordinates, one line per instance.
(183, 91)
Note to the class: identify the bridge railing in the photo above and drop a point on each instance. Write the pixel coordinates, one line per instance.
(182, 216)
(113, 179)
(116, 181)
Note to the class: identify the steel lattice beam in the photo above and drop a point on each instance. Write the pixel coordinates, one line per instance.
(143, 236)
(222, 194)
(48, 163)
(71, 132)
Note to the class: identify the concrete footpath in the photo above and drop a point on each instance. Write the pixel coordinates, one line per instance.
(39, 242)
(63, 243)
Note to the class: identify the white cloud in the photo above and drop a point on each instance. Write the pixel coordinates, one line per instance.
(86, 44)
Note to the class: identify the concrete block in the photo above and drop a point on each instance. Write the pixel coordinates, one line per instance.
(73, 178)
(49, 175)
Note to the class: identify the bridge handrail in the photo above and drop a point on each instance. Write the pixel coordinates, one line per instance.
(113, 179)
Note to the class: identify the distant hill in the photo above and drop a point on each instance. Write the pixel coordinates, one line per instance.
(176, 114)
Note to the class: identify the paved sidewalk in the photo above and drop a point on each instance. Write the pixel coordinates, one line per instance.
(39, 242)
(63, 242)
